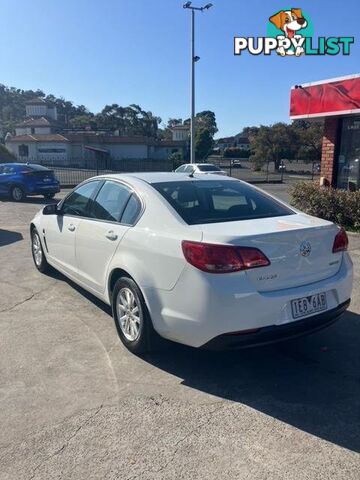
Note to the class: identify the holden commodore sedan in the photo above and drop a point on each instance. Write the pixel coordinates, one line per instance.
(212, 263)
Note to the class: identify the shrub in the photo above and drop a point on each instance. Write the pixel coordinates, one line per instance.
(6, 155)
(235, 152)
(177, 160)
(339, 206)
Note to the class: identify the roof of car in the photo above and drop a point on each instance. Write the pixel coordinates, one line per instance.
(157, 177)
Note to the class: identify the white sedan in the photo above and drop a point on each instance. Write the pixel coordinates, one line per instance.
(200, 168)
(207, 262)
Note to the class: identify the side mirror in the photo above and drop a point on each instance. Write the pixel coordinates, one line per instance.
(51, 209)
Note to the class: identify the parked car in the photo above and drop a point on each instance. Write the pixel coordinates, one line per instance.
(203, 261)
(19, 180)
(236, 164)
(200, 168)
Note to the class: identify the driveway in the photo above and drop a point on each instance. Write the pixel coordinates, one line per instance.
(74, 404)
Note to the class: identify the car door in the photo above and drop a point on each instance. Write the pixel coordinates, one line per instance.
(99, 235)
(60, 230)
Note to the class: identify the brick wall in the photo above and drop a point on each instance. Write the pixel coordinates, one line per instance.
(328, 150)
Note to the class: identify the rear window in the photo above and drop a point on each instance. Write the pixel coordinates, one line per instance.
(213, 201)
(208, 168)
(37, 168)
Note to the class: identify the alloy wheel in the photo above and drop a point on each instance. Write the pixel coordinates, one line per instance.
(129, 315)
(37, 250)
(17, 193)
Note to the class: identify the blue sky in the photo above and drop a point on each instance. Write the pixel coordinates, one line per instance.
(137, 51)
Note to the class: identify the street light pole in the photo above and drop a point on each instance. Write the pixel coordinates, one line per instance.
(192, 119)
(194, 59)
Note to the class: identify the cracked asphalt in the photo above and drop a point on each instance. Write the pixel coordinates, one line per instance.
(74, 404)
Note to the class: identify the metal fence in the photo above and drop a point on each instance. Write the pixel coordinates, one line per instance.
(243, 169)
(72, 171)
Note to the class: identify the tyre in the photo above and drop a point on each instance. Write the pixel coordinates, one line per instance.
(131, 317)
(38, 253)
(17, 193)
(49, 196)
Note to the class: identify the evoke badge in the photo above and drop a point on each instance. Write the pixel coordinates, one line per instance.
(305, 249)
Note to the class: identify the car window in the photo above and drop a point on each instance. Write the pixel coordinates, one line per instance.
(77, 202)
(219, 201)
(8, 169)
(131, 211)
(180, 169)
(110, 202)
(189, 168)
(37, 168)
(208, 168)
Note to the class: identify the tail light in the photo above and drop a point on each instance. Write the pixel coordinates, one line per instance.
(341, 242)
(222, 258)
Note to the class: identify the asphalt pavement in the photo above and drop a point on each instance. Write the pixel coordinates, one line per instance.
(74, 404)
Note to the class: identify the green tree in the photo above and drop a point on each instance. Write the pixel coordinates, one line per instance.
(273, 143)
(310, 139)
(204, 144)
(6, 155)
(205, 120)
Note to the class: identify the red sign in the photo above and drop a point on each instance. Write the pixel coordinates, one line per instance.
(321, 99)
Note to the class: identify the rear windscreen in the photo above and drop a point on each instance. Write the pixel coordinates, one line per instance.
(212, 201)
(37, 168)
(208, 168)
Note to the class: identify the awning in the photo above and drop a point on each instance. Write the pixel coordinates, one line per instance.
(96, 149)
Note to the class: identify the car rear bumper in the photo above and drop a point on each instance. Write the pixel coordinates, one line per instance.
(277, 333)
(43, 190)
(202, 307)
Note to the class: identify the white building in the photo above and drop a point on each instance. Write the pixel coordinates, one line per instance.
(38, 107)
(37, 139)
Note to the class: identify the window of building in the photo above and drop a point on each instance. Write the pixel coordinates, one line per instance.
(52, 150)
(23, 151)
(348, 164)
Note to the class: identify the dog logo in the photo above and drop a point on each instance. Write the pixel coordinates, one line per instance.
(305, 249)
(289, 22)
(290, 32)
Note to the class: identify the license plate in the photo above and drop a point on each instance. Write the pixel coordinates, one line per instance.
(301, 307)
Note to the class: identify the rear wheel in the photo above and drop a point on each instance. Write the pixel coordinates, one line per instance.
(37, 252)
(17, 194)
(49, 196)
(131, 316)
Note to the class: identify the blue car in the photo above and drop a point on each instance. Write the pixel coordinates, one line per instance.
(19, 180)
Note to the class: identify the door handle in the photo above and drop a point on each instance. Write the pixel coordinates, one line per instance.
(111, 235)
(71, 227)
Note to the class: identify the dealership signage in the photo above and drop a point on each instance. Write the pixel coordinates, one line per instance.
(337, 96)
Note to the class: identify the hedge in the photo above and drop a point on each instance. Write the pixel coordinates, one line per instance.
(235, 152)
(339, 206)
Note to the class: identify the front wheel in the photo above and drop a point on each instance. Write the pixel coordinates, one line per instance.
(17, 194)
(38, 253)
(131, 316)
